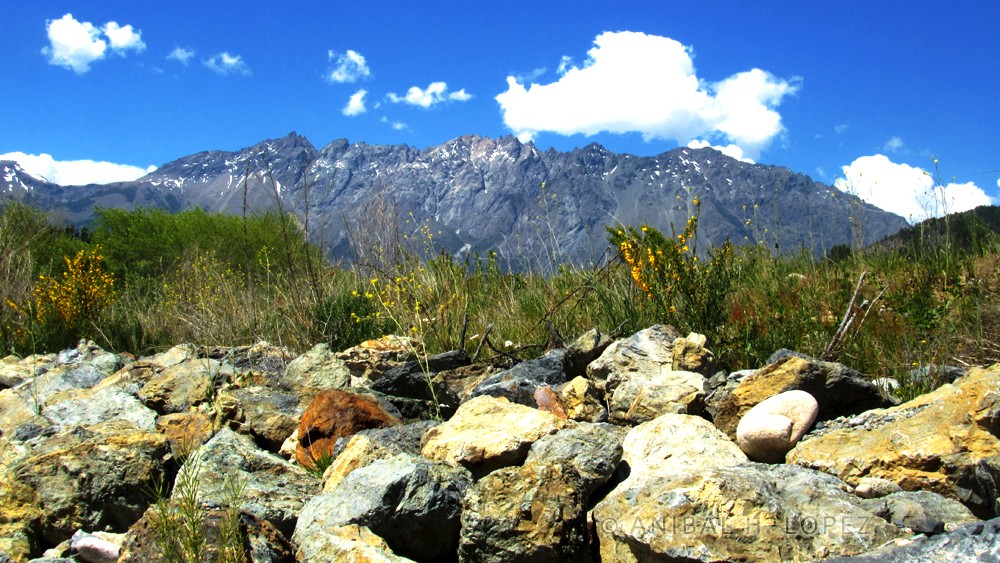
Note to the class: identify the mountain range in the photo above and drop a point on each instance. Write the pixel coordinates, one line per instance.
(477, 194)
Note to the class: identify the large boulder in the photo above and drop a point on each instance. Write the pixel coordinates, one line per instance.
(336, 414)
(536, 512)
(648, 350)
(100, 404)
(411, 502)
(413, 379)
(923, 512)
(92, 477)
(839, 390)
(676, 443)
(488, 433)
(749, 512)
(273, 489)
(946, 441)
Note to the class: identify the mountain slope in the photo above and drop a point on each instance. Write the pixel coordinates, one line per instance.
(480, 194)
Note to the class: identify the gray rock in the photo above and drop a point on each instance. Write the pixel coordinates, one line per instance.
(640, 396)
(650, 350)
(923, 512)
(536, 512)
(585, 349)
(969, 543)
(314, 371)
(409, 501)
(267, 414)
(594, 450)
(518, 384)
(275, 489)
(412, 379)
(101, 405)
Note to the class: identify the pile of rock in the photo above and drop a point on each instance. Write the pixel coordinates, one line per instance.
(608, 450)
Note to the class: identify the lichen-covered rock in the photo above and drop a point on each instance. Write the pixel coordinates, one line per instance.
(411, 502)
(455, 386)
(316, 370)
(838, 389)
(749, 512)
(593, 450)
(976, 541)
(585, 349)
(413, 379)
(269, 415)
(691, 354)
(336, 414)
(536, 512)
(181, 386)
(773, 426)
(945, 441)
(488, 433)
(100, 404)
(93, 477)
(648, 350)
(186, 431)
(583, 401)
(370, 359)
(275, 490)
(640, 396)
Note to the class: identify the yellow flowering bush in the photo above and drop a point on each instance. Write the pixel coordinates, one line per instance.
(84, 290)
(680, 288)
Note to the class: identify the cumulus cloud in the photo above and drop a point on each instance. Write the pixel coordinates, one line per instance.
(75, 45)
(181, 55)
(634, 82)
(75, 172)
(356, 104)
(435, 93)
(225, 64)
(123, 38)
(728, 150)
(347, 67)
(397, 125)
(908, 191)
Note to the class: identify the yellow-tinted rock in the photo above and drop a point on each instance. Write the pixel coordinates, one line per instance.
(945, 441)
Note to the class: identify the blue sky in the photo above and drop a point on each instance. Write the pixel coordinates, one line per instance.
(865, 94)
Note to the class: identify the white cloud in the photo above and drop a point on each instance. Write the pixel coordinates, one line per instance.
(907, 191)
(893, 145)
(998, 182)
(225, 64)
(634, 82)
(76, 172)
(397, 125)
(356, 104)
(123, 38)
(728, 150)
(839, 129)
(181, 55)
(347, 67)
(435, 93)
(73, 44)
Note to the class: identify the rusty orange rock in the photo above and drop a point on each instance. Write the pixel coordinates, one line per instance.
(334, 414)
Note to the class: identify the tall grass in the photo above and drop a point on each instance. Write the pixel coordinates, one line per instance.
(923, 303)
